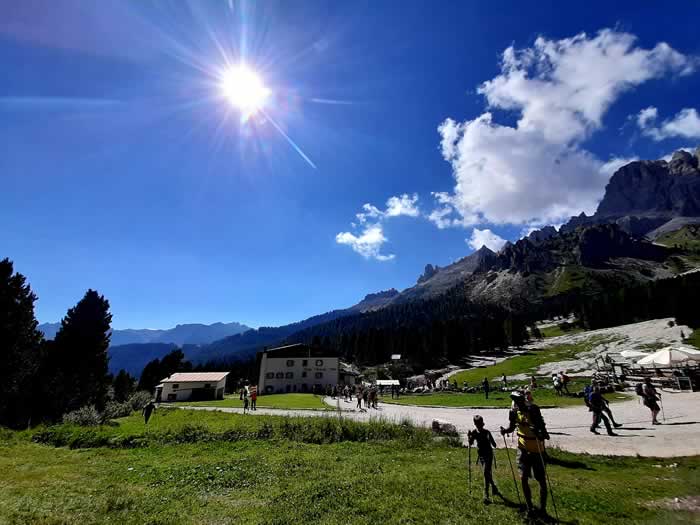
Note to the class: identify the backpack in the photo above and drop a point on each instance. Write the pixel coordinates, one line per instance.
(639, 389)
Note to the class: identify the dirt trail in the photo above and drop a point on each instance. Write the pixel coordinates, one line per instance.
(569, 427)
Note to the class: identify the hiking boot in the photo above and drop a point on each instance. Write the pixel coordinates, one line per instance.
(617, 425)
(487, 501)
(595, 431)
(612, 434)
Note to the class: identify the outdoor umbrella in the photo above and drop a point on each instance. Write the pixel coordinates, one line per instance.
(632, 354)
(670, 356)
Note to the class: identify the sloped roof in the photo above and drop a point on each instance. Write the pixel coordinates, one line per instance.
(185, 377)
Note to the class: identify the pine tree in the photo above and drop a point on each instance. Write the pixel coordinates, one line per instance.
(123, 386)
(19, 347)
(81, 345)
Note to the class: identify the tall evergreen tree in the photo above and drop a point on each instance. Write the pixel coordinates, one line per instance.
(123, 386)
(19, 347)
(81, 344)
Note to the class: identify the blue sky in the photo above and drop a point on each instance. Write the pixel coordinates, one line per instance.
(123, 168)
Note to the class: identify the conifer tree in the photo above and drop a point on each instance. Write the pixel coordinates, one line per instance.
(19, 347)
(81, 346)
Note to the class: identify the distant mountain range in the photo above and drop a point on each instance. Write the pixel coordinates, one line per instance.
(182, 334)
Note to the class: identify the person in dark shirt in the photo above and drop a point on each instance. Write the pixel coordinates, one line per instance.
(148, 410)
(486, 387)
(484, 446)
(596, 404)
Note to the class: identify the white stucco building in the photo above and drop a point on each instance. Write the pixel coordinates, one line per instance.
(296, 368)
(192, 386)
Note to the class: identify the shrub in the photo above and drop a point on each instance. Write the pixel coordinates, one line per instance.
(139, 399)
(86, 416)
(115, 410)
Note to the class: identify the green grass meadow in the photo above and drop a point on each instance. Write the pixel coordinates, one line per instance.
(281, 401)
(407, 478)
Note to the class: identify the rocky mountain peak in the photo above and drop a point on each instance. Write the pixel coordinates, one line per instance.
(545, 233)
(683, 163)
(429, 271)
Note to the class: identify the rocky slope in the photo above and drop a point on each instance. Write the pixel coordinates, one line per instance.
(644, 195)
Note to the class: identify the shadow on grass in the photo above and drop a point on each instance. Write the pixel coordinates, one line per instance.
(559, 462)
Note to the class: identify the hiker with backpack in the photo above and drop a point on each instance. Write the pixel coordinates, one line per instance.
(532, 431)
(596, 403)
(651, 397)
(485, 457)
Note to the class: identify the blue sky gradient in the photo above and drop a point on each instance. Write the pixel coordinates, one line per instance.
(123, 170)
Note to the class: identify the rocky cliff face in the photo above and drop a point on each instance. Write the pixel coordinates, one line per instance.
(643, 195)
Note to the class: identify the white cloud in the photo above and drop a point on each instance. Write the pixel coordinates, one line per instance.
(508, 175)
(486, 238)
(368, 243)
(403, 205)
(615, 163)
(686, 124)
(395, 206)
(536, 171)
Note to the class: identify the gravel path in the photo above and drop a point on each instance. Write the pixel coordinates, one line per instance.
(569, 427)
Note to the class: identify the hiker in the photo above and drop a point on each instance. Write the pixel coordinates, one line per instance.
(564, 379)
(253, 397)
(596, 402)
(504, 380)
(359, 398)
(485, 385)
(365, 397)
(244, 397)
(484, 447)
(148, 410)
(531, 435)
(533, 383)
(651, 396)
(557, 384)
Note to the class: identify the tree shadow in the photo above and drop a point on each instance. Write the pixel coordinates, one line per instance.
(579, 465)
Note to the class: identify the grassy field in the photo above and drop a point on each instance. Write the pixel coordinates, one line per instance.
(556, 331)
(544, 397)
(276, 481)
(525, 363)
(694, 339)
(285, 401)
(687, 237)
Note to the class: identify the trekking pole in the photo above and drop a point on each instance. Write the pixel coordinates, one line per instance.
(549, 483)
(512, 471)
(469, 459)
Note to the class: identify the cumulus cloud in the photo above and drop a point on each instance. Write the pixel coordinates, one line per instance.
(486, 238)
(615, 163)
(395, 206)
(536, 170)
(686, 124)
(368, 243)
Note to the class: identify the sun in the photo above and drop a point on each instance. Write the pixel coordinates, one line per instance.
(244, 89)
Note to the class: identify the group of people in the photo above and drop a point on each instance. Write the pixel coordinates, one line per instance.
(249, 396)
(526, 419)
(367, 396)
(561, 383)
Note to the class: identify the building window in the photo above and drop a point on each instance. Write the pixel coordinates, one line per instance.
(280, 375)
(290, 362)
(270, 375)
(303, 374)
(319, 375)
(176, 386)
(172, 397)
(289, 375)
(305, 362)
(319, 362)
